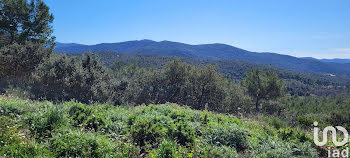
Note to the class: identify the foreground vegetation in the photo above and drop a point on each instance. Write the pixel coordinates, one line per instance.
(72, 129)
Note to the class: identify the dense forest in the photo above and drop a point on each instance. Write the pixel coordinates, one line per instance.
(107, 104)
(298, 83)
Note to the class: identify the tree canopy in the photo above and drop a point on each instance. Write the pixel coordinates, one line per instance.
(263, 85)
(22, 20)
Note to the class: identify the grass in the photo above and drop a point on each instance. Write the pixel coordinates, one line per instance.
(71, 129)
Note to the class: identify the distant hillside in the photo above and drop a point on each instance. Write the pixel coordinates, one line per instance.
(209, 51)
(66, 45)
(336, 60)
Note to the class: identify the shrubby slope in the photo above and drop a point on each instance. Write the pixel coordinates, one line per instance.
(71, 129)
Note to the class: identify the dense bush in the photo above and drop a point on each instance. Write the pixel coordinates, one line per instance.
(13, 109)
(177, 82)
(84, 79)
(21, 59)
(340, 118)
(78, 112)
(151, 130)
(308, 120)
(271, 147)
(325, 110)
(229, 135)
(73, 143)
(218, 151)
(43, 123)
(86, 117)
(8, 131)
(168, 148)
(277, 123)
(148, 131)
(293, 134)
(14, 144)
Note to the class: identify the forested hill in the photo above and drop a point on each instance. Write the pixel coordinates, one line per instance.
(209, 51)
(300, 83)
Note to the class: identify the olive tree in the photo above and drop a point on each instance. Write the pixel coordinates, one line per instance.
(263, 85)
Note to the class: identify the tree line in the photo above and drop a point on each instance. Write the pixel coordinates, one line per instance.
(297, 83)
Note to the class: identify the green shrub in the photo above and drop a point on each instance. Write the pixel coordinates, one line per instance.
(230, 120)
(78, 112)
(229, 135)
(340, 119)
(308, 121)
(26, 149)
(304, 150)
(218, 151)
(17, 92)
(154, 119)
(277, 123)
(85, 116)
(13, 107)
(127, 150)
(44, 122)
(115, 130)
(114, 119)
(12, 144)
(293, 134)
(180, 130)
(147, 131)
(95, 121)
(286, 133)
(205, 119)
(8, 131)
(275, 148)
(78, 144)
(183, 133)
(272, 107)
(168, 149)
(272, 148)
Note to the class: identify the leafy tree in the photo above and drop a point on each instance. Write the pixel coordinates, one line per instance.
(263, 85)
(22, 20)
(21, 59)
(211, 88)
(236, 101)
(178, 82)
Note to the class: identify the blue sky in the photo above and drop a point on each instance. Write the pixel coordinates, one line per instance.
(316, 28)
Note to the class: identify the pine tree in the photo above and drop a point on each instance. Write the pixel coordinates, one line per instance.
(22, 21)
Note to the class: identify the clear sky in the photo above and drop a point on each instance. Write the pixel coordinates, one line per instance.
(316, 28)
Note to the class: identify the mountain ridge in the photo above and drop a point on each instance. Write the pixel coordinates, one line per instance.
(210, 51)
(334, 60)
